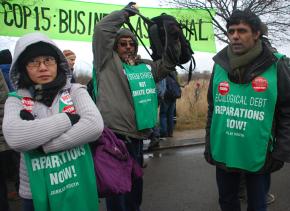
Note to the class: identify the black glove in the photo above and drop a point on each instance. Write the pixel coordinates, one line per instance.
(26, 115)
(276, 165)
(40, 149)
(74, 118)
(131, 9)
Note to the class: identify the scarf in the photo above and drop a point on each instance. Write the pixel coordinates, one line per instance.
(45, 93)
(238, 61)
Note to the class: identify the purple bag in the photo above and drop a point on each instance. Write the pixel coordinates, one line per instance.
(114, 167)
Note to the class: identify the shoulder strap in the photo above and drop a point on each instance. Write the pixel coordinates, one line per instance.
(279, 55)
(14, 94)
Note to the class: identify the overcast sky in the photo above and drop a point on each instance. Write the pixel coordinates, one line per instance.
(84, 52)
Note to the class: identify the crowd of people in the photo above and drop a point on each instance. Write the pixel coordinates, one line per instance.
(50, 120)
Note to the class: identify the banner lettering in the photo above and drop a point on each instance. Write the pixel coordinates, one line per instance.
(74, 20)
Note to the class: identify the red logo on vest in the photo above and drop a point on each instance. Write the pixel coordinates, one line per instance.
(66, 99)
(224, 88)
(69, 109)
(260, 84)
(27, 103)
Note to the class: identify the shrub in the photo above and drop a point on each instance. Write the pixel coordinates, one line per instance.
(191, 108)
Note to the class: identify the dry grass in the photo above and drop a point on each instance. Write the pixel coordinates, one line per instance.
(192, 111)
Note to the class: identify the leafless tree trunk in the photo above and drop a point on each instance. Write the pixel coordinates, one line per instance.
(274, 13)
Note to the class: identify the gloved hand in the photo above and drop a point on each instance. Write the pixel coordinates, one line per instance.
(275, 164)
(40, 149)
(74, 118)
(26, 115)
(131, 9)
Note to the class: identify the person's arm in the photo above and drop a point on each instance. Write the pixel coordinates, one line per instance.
(105, 33)
(161, 88)
(104, 37)
(281, 149)
(89, 128)
(207, 153)
(22, 135)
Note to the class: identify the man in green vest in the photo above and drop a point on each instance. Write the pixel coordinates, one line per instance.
(248, 128)
(126, 87)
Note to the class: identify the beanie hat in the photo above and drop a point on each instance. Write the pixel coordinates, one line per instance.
(126, 33)
(68, 53)
(5, 57)
(35, 50)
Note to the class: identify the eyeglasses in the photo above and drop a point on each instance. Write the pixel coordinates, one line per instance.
(46, 60)
(125, 44)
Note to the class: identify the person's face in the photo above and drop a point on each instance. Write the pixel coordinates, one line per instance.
(42, 69)
(71, 61)
(126, 48)
(242, 38)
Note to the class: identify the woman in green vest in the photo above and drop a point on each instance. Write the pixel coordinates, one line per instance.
(51, 121)
(248, 129)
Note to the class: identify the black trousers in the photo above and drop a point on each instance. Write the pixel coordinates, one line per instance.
(4, 206)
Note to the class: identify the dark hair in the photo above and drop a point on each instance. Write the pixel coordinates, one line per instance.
(245, 16)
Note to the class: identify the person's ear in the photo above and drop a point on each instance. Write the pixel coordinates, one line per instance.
(257, 35)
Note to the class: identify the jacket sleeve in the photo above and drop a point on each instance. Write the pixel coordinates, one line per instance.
(207, 153)
(87, 129)
(281, 149)
(22, 135)
(104, 37)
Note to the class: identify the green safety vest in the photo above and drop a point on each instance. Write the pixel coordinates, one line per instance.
(143, 90)
(65, 180)
(242, 119)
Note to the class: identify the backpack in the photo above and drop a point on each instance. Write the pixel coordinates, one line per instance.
(173, 90)
(164, 30)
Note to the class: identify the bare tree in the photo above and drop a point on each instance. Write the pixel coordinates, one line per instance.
(274, 13)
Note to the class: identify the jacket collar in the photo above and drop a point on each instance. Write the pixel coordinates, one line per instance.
(254, 68)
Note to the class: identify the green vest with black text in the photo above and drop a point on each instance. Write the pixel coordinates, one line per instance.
(240, 134)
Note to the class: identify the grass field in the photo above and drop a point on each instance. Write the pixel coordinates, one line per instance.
(192, 106)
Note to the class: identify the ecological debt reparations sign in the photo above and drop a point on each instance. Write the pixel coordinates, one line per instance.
(74, 20)
(63, 174)
(239, 111)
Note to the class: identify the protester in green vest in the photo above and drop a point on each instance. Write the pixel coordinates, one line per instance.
(248, 128)
(126, 96)
(51, 121)
(270, 198)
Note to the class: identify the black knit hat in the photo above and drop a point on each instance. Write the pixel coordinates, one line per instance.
(5, 57)
(35, 50)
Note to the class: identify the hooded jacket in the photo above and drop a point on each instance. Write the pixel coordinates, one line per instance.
(51, 130)
(114, 97)
(281, 120)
